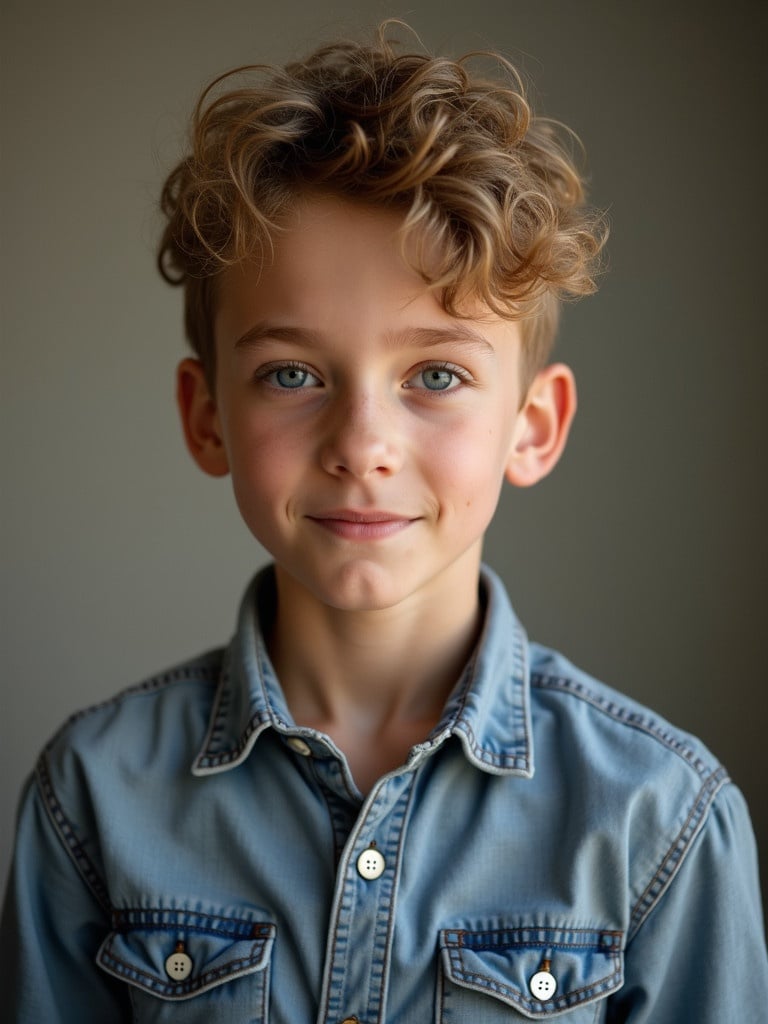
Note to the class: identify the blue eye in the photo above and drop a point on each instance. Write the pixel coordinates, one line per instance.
(436, 378)
(289, 378)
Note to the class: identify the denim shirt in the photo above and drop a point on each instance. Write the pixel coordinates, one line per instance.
(552, 850)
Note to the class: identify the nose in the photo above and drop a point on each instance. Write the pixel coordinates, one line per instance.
(361, 438)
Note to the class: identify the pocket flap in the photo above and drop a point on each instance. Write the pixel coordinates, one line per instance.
(176, 954)
(582, 965)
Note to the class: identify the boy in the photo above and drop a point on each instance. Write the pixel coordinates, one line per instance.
(380, 803)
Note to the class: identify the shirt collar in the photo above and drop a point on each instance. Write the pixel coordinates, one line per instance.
(488, 710)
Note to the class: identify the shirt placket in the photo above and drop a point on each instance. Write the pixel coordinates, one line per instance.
(365, 900)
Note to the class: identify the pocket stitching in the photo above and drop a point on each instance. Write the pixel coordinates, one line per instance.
(119, 967)
(573, 997)
(522, 939)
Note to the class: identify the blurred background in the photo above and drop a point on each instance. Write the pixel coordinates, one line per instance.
(644, 556)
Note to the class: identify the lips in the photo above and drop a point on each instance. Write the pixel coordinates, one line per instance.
(362, 524)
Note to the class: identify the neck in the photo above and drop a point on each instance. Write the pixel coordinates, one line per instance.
(370, 671)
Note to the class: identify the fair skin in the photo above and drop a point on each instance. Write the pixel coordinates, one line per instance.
(368, 434)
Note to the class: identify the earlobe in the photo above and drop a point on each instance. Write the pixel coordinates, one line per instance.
(200, 419)
(544, 421)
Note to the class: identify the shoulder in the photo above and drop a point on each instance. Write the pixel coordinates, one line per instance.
(111, 766)
(628, 773)
(607, 722)
(162, 719)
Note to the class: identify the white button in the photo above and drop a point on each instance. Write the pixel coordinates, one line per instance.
(299, 746)
(371, 864)
(178, 966)
(543, 985)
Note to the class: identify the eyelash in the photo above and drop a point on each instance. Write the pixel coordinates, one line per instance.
(262, 375)
(464, 378)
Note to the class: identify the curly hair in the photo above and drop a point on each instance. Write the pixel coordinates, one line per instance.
(482, 183)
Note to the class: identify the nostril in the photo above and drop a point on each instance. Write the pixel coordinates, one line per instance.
(359, 453)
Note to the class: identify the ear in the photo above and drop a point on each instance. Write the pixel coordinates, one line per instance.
(542, 427)
(200, 418)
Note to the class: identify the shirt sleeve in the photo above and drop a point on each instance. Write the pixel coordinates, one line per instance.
(700, 955)
(52, 926)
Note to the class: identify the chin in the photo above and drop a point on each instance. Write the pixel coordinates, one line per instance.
(365, 587)
(361, 597)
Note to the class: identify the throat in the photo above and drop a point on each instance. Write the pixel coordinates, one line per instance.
(375, 683)
(374, 719)
(370, 758)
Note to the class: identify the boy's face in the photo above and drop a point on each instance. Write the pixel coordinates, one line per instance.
(366, 430)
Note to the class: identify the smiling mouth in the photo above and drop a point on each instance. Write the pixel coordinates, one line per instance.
(370, 524)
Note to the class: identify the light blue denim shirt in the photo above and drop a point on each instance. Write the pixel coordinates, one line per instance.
(551, 850)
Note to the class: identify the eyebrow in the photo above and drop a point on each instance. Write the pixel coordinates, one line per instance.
(456, 334)
(426, 337)
(263, 331)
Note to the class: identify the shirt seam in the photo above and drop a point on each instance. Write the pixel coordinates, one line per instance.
(387, 958)
(163, 919)
(231, 753)
(677, 852)
(232, 756)
(511, 759)
(713, 777)
(567, 1000)
(64, 827)
(488, 758)
(65, 830)
(632, 719)
(534, 937)
(203, 669)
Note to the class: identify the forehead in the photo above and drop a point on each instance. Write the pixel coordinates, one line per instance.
(339, 266)
(325, 246)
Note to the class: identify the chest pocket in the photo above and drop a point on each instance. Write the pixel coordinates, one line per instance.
(191, 967)
(523, 974)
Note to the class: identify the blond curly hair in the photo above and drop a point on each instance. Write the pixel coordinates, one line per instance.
(489, 191)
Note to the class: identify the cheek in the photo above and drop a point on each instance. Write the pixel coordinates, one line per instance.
(469, 458)
(263, 459)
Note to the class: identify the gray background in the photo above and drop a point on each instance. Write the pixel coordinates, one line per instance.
(643, 557)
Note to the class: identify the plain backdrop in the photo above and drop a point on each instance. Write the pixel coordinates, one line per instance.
(643, 557)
